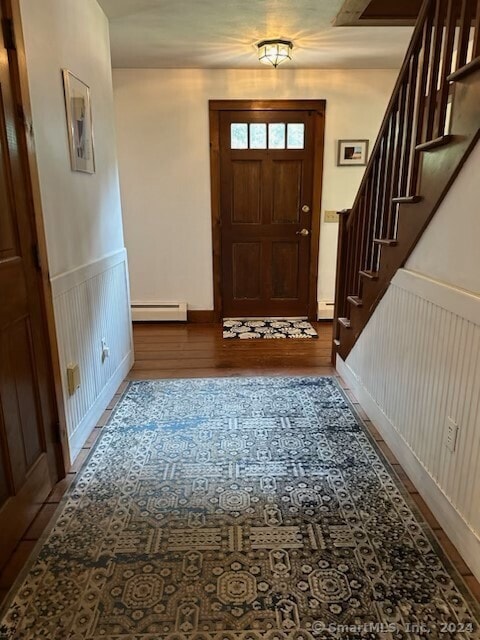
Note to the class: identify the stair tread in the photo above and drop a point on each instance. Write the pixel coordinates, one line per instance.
(425, 174)
(387, 242)
(435, 143)
(407, 199)
(355, 300)
(465, 71)
(371, 275)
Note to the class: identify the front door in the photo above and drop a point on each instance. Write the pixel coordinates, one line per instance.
(28, 453)
(266, 202)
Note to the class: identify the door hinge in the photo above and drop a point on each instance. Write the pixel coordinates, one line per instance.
(21, 114)
(8, 34)
(56, 433)
(36, 257)
(26, 124)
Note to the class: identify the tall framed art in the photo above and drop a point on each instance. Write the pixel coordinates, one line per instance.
(79, 123)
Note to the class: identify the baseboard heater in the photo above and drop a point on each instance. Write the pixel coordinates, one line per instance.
(325, 310)
(159, 311)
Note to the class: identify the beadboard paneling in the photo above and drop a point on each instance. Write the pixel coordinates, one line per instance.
(418, 360)
(92, 303)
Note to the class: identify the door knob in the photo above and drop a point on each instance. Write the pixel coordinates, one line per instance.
(305, 208)
(303, 232)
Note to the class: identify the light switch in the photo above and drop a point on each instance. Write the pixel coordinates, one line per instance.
(330, 216)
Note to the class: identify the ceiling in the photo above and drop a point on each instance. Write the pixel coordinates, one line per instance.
(222, 34)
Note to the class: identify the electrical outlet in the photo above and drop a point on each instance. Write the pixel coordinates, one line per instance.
(330, 216)
(73, 378)
(451, 435)
(105, 350)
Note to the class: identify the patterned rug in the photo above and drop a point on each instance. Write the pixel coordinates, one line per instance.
(267, 328)
(238, 509)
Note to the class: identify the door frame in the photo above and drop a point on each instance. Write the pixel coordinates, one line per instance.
(215, 108)
(21, 94)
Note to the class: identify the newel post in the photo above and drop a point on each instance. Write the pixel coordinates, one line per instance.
(340, 279)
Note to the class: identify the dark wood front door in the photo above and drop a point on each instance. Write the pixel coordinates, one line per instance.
(29, 465)
(266, 205)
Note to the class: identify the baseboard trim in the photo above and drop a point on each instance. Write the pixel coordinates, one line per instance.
(325, 310)
(90, 419)
(200, 315)
(459, 532)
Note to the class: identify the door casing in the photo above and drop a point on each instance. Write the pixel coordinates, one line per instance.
(20, 89)
(317, 107)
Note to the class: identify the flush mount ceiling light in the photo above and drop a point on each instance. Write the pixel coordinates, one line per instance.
(274, 51)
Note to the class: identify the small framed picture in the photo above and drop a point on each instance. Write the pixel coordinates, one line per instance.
(79, 123)
(352, 152)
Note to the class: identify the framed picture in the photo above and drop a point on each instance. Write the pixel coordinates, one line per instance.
(79, 123)
(352, 152)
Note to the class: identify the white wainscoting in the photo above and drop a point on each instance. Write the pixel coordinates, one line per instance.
(91, 303)
(417, 363)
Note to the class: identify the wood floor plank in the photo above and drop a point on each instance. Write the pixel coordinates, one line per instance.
(41, 521)
(59, 489)
(17, 560)
(224, 363)
(173, 350)
(233, 372)
(233, 345)
(473, 585)
(452, 553)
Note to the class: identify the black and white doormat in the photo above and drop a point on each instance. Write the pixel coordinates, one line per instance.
(267, 328)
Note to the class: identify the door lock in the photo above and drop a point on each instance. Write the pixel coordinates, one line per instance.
(303, 232)
(306, 208)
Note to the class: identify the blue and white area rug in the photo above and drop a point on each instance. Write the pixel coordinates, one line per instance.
(238, 509)
(249, 328)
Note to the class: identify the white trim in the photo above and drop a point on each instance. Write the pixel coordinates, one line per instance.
(71, 279)
(459, 532)
(130, 323)
(83, 430)
(325, 309)
(458, 301)
(158, 311)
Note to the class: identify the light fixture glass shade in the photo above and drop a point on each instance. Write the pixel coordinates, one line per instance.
(274, 52)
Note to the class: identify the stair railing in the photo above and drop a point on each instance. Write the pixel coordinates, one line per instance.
(445, 44)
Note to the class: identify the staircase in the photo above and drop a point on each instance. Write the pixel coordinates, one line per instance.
(431, 125)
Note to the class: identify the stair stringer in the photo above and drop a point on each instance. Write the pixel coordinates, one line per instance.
(438, 169)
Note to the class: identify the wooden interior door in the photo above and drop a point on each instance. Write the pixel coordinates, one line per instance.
(30, 461)
(266, 193)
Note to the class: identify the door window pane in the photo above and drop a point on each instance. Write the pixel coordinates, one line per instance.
(295, 135)
(258, 136)
(280, 135)
(276, 135)
(239, 135)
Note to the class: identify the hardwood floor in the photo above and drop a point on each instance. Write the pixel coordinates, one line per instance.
(176, 350)
(198, 350)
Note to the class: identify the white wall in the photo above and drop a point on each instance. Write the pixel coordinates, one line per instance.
(82, 213)
(163, 147)
(449, 250)
(418, 362)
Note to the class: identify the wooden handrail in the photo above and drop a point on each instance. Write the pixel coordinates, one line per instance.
(414, 42)
(417, 122)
